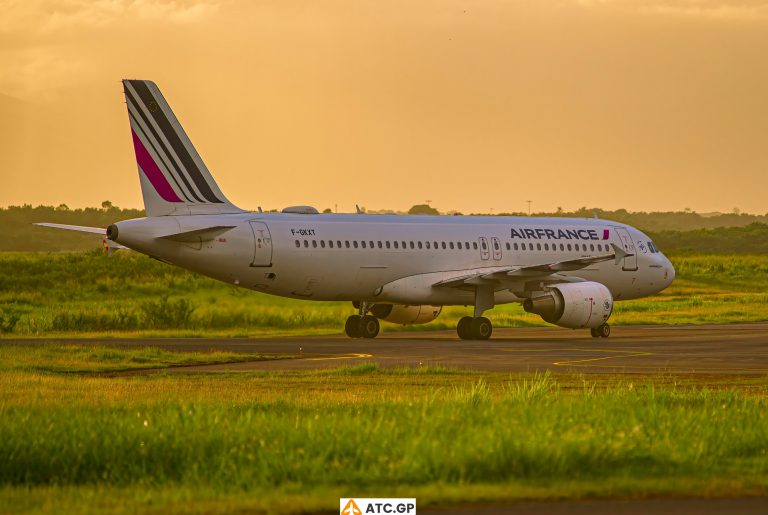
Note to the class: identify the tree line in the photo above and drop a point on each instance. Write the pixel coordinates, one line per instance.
(679, 231)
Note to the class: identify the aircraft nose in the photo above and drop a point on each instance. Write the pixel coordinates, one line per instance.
(669, 271)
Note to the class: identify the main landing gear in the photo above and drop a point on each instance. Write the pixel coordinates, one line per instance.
(601, 331)
(362, 325)
(474, 328)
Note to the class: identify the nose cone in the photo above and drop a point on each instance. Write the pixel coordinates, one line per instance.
(669, 271)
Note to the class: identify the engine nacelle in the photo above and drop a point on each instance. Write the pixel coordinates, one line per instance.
(573, 305)
(399, 314)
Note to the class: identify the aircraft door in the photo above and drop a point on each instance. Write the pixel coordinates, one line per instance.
(496, 246)
(630, 262)
(262, 251)
(484, 252)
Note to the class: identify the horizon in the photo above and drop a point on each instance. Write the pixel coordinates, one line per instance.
(367, 210)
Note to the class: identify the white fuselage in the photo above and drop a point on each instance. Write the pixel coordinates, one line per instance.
(394, 258)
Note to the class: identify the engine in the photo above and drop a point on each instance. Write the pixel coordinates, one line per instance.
(399, 314)
(573, 305)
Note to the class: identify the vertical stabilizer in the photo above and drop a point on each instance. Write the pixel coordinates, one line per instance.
(174, 179)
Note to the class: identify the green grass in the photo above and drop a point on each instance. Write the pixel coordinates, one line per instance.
(287, 442)
(127, 294)
(57, 357)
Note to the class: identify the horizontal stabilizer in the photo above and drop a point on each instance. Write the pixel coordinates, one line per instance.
(198, 235)
(79, 228)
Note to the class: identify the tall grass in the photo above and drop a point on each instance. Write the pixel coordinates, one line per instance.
(533, 433)
(43, 294)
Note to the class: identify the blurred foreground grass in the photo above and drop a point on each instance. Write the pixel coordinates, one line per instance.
(288, 442)
(128, 294)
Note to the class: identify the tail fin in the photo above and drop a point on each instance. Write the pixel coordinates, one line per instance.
(174, 179)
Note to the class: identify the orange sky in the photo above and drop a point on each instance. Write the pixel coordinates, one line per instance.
(646, 105)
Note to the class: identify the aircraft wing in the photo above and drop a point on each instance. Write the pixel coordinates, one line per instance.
(483, 276)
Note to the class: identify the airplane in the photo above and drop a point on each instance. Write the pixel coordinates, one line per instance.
(394, 268)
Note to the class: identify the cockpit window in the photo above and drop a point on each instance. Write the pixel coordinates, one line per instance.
(653, 248)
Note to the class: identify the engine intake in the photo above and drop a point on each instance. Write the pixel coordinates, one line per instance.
(573, 305)
(405, 315)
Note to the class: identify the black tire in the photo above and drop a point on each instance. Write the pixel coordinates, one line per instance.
(594, 331)
(481, 328)
(353, 326)
(464, 328)
(369, 326)
(604, 330)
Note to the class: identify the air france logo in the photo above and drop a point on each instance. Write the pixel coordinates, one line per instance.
(559, 234)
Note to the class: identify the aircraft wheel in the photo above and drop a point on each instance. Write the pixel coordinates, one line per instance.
(594, 332)
(353, 327)
(481, 328)
(369, 326)
(464, 328)
(604, 331)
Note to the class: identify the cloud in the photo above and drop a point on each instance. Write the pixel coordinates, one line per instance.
(44, 16)
(744, 10)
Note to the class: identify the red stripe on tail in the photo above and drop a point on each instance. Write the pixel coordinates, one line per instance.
(153, 172)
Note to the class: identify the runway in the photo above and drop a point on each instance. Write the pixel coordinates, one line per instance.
(706, 349)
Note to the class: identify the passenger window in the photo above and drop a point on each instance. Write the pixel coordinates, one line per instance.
(346, 243)
(354, 243)
(569, 246)
(427, 244)
(298, 244)
(322, 243)
(450, 244)
(387, 244)
(419, 245)
(314, 243)
(474, 245)
(546, 246)
(538, 246)
(435, 245)
(458, 245)
(330, 243)
(592, 247)
(395, 243)
(483, 244)
(466, 245)
(509, 247)
(363, 243)
(443, 243)
(306, 244)
(411, 243)
(515, 246)
(584, 247)
(379, 244)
